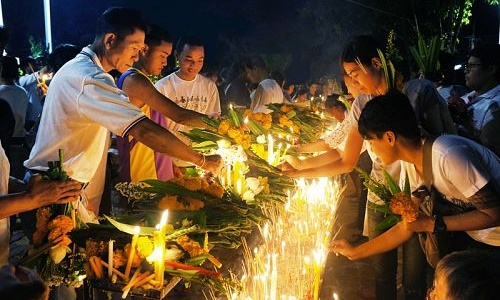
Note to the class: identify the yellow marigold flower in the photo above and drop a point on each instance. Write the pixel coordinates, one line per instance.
(193, 203)
(223, 127)
(204, 182)
(215, 190)
(192, 183)
(295, 128)
(267, 118)
(66, 241)
(144, 246)
(248, 113)
(283, 120)
(401, 204)
(61, 222)
(257, 116)
(245, 141)
(169, 202)
(286, 108)
(267, 125)
(177, 180)
(233, 133)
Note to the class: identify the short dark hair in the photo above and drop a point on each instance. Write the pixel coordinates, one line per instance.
(489, 54)
(253, 62)
(10, 68)
(61, 55)
(390, 112)
(189, 40)
(471, 275)
(362, 47)
(332, 102)
(120, 21)
(156, 36)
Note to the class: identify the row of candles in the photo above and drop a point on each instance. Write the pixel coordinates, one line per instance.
(157, 257)
(289, 263)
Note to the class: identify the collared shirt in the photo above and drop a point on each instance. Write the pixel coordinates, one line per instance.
(485, 111)
(82, 106)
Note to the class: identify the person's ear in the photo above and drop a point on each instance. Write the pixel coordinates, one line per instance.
(108, 40)
(390, 137)
(492, 70)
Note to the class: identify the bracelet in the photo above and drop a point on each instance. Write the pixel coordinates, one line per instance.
(204, 160)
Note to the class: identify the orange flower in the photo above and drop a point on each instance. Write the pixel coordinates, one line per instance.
(234, 133)
(401, 204)
(214, 189)
(286, 108)
(223, 127)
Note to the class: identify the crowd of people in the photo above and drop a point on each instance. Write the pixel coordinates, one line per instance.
(82, 100)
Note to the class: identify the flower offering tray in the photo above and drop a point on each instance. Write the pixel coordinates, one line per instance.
(98, 289)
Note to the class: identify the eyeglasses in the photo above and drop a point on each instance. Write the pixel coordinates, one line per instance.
(469, 66)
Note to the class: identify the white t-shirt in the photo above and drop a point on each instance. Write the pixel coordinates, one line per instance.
(18, 100)
(4, 223)
(199, 94)
(267, 92)
(83, 105)
(377, 172)
(460, 168)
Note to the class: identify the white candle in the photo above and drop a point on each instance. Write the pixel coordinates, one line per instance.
(110, 258)
(270, 149)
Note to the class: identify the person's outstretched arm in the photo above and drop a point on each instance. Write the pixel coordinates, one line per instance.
(389, 240)
(345, 164)
(140, 90)
(161, 140)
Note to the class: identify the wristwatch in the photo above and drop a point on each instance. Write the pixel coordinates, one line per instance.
(439, 225)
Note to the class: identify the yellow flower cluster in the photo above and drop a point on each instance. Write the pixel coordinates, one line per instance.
(199, 184)
(265, 120)
(237, 134)
(285, 122)
(174, 203)
(401, 204)
(144, 246)
(286, 108)
(59, 227)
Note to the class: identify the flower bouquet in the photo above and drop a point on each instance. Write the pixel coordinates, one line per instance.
(57, 260)
(397, 204)
(195, 201)
(143, 260)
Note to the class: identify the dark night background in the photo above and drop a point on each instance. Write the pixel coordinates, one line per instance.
(302, 38)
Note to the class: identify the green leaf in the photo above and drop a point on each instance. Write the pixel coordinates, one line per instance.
(391, 183)
(406, 188)
(130, 228)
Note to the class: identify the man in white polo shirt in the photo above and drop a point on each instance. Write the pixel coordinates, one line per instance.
(83, 104)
